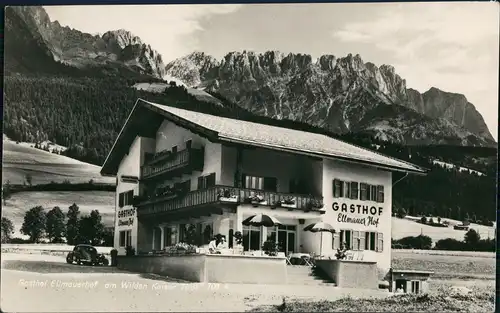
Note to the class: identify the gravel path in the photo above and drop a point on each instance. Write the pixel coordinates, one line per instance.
(45, 283)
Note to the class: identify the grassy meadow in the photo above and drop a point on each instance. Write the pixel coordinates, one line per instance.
(44, 167)
(403, 227)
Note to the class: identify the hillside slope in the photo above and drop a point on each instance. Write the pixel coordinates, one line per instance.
(44, 167)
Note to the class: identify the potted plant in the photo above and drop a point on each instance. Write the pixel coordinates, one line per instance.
(129, 251)
(270, 248)
(238, 241)
(256, 199)
(315, 204)
(341, 252)
(288, 202)
(227, 195)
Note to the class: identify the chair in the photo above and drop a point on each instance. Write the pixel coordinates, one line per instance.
(307, 260)
(287, 257)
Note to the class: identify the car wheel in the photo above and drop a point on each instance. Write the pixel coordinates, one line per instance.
(69, 259)
(105, 262)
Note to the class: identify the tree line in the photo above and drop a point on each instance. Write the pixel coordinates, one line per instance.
(85, 114)
(472, 242)
(55, 226)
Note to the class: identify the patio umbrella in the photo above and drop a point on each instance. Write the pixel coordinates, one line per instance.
(261, 220)
(320, 227)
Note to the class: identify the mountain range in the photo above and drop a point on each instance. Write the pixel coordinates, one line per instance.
(341, 95)
(76, 90)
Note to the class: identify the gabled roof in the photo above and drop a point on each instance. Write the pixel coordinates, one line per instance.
(222, 129)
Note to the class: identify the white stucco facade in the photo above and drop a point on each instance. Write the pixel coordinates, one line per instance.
(220, 159)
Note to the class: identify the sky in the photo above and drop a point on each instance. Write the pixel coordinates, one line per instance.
(451, 46)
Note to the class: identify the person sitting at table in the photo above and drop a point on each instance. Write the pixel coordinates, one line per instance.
(222, 244)
(212, 245)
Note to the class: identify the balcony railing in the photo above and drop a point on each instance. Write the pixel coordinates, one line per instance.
(226, 194)
(181, 162)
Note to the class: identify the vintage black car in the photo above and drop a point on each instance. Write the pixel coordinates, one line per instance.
(86, 254)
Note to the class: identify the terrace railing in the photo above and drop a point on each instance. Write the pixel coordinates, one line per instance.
(180, 162)
(227, 194)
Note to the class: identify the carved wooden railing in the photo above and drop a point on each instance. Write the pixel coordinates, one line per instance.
(166, 163)
(226, 194)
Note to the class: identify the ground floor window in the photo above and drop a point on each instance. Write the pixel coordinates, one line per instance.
(125, 238)
(285, 236)
(358, 240)
(415, 286)
(251, 238)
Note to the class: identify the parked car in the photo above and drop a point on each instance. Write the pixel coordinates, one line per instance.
(86, 254)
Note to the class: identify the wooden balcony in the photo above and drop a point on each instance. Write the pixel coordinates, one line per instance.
(174, 164)
(228, 195)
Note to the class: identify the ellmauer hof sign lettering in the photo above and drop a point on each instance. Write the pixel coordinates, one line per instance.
(344, 208)
(126, 217)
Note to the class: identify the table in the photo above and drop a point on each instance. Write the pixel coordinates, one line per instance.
(298, 258)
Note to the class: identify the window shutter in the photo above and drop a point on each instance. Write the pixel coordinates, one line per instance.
(130, 196)
(120, 200)
(380, 242)
(335, 241)
(362, 240)
(351, 239)
(210, 180)
(244, 181)
(380, 193)
(373, 193)
(354, 190)
(337, 188)
(355, 240)
(270, 183)
(200, 182)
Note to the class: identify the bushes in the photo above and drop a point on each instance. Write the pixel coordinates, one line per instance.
(419, 242)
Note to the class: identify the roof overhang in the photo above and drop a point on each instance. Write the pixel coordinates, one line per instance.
(145, 119)
(418, 170)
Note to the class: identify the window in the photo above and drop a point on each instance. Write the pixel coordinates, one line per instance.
(380, 193)
(373, 193)
(253, 182)
(125, 198)
(374, 241)
(337, 188)
(345, 189)
(346, 237)
(363, 191)
(206, 181)
(125, 238)
(174, 149)
(261, 183)
(285, 236)
(354, 191)
(189, 144)
(251, 238)
(415, 286)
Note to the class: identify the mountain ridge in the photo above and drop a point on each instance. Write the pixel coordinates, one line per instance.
(239, 74)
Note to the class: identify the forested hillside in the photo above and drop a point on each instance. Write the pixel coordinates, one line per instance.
(86, 114)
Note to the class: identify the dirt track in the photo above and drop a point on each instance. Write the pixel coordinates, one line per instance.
(44, 283)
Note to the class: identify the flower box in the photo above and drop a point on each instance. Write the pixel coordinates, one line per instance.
(229, 199)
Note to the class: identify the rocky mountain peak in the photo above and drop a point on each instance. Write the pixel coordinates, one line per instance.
(122, 38)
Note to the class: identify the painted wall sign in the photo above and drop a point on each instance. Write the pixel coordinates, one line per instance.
(344, 209)
(126, 217)
(129, 179)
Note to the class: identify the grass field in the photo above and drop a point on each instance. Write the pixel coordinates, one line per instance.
(44, 167)
(407, 227)
(447, 266)
(87, 201)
